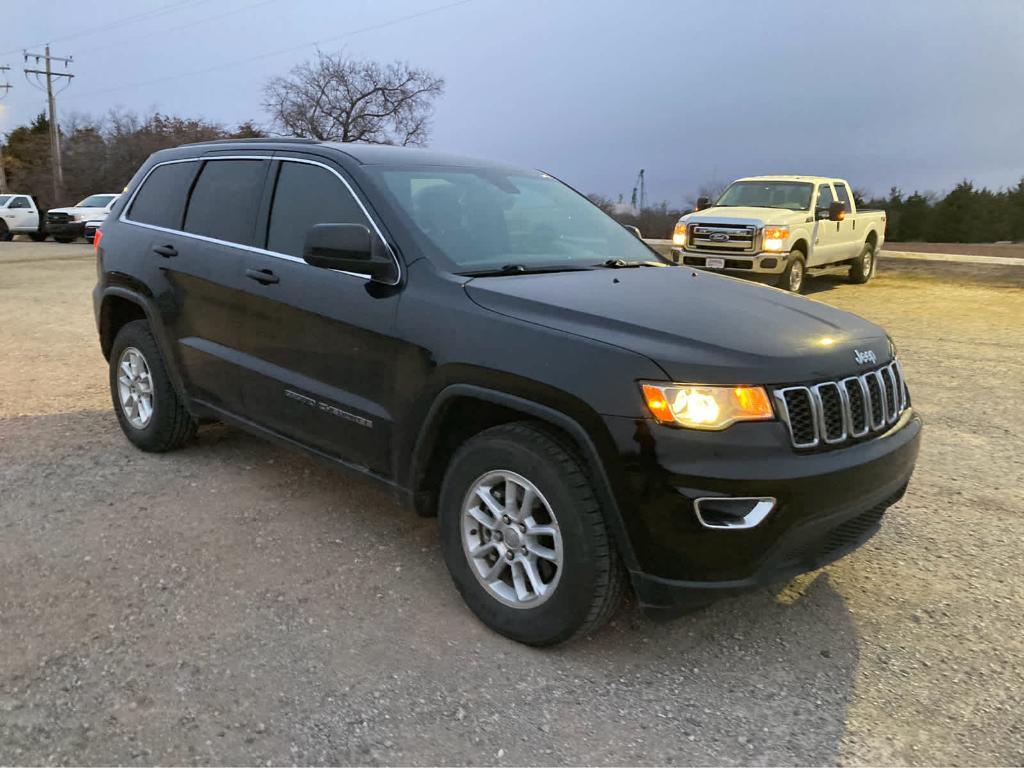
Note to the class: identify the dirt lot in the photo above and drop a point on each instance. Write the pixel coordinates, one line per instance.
(1012, 250)
(236, 603)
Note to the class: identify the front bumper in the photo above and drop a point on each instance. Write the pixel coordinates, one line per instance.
(65, 228)
(766, 263)
(828, 503)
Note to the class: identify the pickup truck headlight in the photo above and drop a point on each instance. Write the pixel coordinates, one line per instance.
(775, 238)
(679, 234)
(704, 407)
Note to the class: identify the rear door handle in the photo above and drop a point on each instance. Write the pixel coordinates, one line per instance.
(167, 251)
(262, 276)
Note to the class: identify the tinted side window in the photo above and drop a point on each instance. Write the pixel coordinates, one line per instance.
(843, 195)
(825, 198)
(307, 195)
(225, 199)
(161, 200)
(19, 202)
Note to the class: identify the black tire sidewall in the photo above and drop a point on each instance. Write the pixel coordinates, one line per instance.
(857, 272)
(158, 434)
(561, 615)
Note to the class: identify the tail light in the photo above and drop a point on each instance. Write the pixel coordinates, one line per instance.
(97, 236)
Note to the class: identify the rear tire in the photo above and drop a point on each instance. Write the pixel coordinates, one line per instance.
(792, 279)
(580, 578)
(37, 237)
(64, 240)
(138, 373)
(5, 233)
(864, 266)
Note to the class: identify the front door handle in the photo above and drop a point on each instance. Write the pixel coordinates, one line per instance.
(262, 276)
(167, 251)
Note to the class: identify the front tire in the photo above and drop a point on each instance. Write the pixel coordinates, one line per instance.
(5, 233)
(863, 267)
(148, 408)
(64, 240)
(524, 538)
(38, 237)
(792, 279)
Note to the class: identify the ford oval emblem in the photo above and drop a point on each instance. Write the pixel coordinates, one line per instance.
(719, 237)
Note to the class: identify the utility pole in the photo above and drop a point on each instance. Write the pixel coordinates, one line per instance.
(6, 88)
(58, 170)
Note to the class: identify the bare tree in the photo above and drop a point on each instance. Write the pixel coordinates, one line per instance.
(712, 190)
(338, 99)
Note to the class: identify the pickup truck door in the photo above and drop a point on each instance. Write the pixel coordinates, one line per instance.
(21, 214)
(318, 345)
(827, 237)
(849, 238)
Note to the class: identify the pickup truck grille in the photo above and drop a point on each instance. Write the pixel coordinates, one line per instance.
(723, 237)
(58, 217)
(835, 413)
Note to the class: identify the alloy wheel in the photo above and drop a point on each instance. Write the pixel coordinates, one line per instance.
(511, 539)
(135, 387)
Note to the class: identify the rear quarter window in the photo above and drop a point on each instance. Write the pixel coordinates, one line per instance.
(161, 199)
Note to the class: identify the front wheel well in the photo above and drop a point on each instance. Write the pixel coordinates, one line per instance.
(462, 418)
(800, 245)
(115, 313)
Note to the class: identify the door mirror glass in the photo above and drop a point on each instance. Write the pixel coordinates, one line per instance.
(349, 248)
(836, 211)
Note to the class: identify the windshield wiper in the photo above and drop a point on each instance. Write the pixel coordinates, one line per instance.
(623, 264)
(523, 269)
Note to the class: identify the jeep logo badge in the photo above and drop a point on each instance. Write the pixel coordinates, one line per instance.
(867, 356)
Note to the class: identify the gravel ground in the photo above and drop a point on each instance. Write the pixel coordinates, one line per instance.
(237, 603)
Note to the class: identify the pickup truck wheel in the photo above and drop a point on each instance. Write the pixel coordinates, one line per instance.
(5, 233)
(863, 267)
(37, 237)
(524, 539)
(792, 279)
(149, 410)
(63, 239)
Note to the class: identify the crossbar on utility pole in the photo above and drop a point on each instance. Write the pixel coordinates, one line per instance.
(6, 88)
(58, 170)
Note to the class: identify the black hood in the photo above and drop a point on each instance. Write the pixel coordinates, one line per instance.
(699, 327)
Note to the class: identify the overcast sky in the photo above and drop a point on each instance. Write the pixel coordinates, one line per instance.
(914, 93)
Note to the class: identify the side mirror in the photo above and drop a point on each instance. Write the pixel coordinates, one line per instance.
(349, 248)
(836, 211)
(634, 230)
(703, 202)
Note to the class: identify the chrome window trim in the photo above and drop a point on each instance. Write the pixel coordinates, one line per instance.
(780, 396)
(123, 218)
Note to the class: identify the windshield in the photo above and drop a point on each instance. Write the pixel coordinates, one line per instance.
(791, 195)
(96, 201)
(4, 199)
(482, 218)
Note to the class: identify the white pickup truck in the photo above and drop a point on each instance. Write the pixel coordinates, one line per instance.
(777, 228)
(19, 215)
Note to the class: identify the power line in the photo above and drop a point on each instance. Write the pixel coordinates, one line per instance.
(6, 88)
(279, 52)
(152, 13)
(180, 27)
(51, 98)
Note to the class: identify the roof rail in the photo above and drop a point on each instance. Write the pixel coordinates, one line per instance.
(266, 140)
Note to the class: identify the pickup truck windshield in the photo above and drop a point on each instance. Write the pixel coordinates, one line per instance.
(481, 219)
(789, 195)
(95, 201)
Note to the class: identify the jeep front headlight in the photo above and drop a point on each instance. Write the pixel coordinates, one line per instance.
(697, 406)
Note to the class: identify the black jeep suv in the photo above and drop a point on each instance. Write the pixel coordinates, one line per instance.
(579, 414)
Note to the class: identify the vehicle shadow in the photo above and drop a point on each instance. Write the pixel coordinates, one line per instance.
(293, 612)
